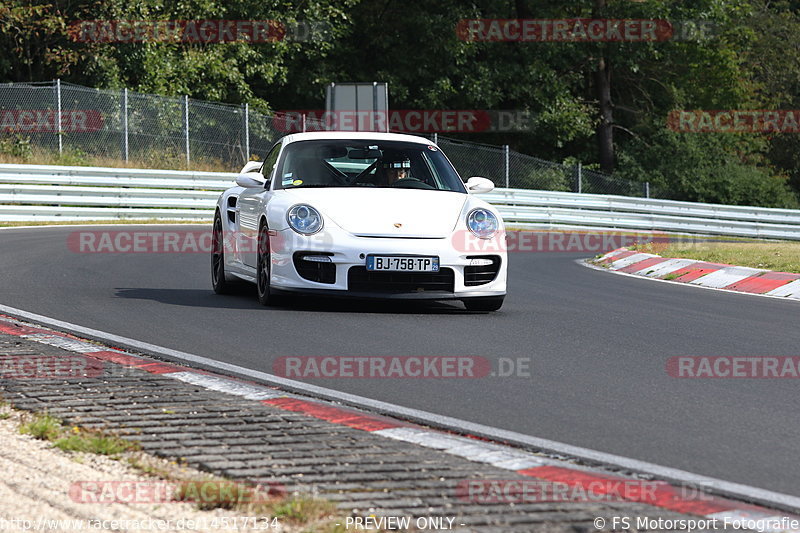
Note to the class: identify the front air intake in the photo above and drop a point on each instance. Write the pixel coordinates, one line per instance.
(315, 266)
(483, 273)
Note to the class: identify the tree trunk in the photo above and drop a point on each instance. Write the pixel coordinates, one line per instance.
(602, 83)
(605, 132)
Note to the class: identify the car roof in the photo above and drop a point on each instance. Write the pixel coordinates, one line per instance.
(345, 135)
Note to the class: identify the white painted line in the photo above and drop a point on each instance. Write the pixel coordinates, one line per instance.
(65, 343)
(668, 267)
(487, 453)
(726, 276)
(791, 289)
(725, 488)
(230, 386)
(650, 277)
(631, 259)
(612, 253)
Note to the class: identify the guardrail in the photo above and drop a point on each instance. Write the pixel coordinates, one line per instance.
(52, 193)
(547, 209)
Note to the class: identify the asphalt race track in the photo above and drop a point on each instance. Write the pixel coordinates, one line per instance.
(598, 343)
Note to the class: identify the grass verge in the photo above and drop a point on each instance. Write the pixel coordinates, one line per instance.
(782, 256)
(101, 222)
(274, 507)
(46, 427)
(78, 158)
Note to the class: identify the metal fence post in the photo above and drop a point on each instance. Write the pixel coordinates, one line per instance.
(506, 163)
(246, 133)
(186, 127)
(58, 114)
(647, 189)
(579, 178)
(125, 123)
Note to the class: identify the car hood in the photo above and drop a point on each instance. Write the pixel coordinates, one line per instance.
(379, 212)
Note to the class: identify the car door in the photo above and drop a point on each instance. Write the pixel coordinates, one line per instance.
(250, 205)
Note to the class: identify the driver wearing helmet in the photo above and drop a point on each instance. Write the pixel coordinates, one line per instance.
(393, 170)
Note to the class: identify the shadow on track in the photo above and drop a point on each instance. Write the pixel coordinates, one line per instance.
(244, 298)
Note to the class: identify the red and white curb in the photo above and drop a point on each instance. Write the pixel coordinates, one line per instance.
(665, 495)
(704, 274)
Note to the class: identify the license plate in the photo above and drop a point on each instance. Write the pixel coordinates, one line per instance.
(402, 263)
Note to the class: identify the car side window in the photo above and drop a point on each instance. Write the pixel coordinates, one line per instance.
(269, 163)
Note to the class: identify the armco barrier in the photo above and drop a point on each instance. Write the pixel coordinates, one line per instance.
(51, 193)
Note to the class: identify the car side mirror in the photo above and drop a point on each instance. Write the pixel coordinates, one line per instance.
(250, 180)
(251, 166)
(477, 185)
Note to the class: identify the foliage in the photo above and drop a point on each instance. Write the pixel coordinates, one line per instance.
(16, 146)
(717, 168)
(749, 61)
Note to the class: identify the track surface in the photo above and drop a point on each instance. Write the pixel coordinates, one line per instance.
(598, 343)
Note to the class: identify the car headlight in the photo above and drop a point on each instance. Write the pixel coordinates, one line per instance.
(304, 219)
(482, 223)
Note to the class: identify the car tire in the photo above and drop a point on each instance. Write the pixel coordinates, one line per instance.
(263, 267)
(486, 304)
(218, 281)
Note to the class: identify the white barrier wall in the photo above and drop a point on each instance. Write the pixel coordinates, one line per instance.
(51, 193)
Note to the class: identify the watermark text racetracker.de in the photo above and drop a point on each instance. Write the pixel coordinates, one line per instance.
(734, 367)
(147, 523)
(735, 121)
(26, 367)
(554, 241)
(401, 367)
(50, 121)
(585, 30)
(202, 241)
(523, 491)
(406, 120)
(205, 492)
(203, 31)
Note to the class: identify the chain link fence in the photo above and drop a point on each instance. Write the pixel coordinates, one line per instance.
(508, 168)
(78, 123)
(153, 131)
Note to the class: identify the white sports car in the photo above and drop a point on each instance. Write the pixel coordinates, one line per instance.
(366, 215)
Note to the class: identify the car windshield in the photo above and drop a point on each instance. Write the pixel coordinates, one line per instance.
(366, 163)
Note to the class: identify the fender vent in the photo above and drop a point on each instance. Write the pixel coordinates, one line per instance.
(232, 202)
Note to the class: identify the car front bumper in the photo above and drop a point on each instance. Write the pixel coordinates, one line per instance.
(347, 251)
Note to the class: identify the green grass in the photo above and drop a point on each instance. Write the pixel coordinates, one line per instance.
(226, 494)
(166, 161)
(308, 514)
(94, 442)
(49, 428)
(42, 426)
(781, 256)
(98, 222)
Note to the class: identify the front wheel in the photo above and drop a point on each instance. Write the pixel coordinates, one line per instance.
(486, 303)
(263, 264)
(218, 281)
(263, 270)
